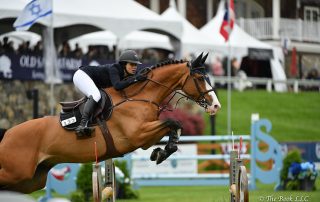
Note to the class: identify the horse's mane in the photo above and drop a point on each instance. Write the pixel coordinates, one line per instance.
(168, 62)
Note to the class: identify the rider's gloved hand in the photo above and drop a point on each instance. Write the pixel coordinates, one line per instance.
(141, 77)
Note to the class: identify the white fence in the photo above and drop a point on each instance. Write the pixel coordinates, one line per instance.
(295, 29)
(149, 177)
(294, 84)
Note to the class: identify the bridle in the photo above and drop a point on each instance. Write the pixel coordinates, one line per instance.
(200, 100)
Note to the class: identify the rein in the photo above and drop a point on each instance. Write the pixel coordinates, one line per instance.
(200, 100)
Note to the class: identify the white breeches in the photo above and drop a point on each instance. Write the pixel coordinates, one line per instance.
(85, 84)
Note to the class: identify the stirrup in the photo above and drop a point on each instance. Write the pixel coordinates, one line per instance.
(82, 131)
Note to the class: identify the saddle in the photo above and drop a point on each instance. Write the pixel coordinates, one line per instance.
(71, 113)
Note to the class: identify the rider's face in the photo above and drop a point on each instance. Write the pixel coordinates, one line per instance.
(131, 68)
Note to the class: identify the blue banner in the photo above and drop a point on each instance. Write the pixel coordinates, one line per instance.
(310, 151)
(31, 67)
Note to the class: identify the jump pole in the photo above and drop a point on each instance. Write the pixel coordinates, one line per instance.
(103, 190)
(238, 175)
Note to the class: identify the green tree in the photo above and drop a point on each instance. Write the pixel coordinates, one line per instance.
(84, 180)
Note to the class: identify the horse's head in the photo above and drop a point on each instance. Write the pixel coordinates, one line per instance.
(198, 87)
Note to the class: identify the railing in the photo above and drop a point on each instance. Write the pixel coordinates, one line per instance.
(295, 84)
(273, 153)
(294, 29)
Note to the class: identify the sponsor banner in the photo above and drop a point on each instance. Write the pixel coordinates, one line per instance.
(31, 67)
(169, 166)
(310, 151)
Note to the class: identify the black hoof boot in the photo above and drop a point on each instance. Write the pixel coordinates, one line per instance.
(162, 155)
(171, 148)
(154, 154)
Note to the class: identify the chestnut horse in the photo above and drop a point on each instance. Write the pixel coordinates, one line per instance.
(30, 149)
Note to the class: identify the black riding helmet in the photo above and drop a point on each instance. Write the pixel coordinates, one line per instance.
(129, 56)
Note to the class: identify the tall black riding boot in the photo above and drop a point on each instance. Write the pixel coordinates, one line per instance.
(88, 109)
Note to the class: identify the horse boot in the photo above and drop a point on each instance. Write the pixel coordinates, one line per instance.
(83, 129)
(171, 146)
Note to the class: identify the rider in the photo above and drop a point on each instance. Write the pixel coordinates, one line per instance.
(88, 79)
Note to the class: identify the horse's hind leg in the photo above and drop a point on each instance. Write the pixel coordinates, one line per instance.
(27, 186)
(16, 166)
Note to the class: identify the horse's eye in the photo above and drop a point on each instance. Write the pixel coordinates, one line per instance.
(201, 78)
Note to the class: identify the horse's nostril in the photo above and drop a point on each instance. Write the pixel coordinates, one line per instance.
(216, 106)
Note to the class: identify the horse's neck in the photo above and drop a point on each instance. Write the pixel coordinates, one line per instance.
(170, 78)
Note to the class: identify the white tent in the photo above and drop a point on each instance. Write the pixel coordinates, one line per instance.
(239, 40)
(239, 44)
(119, 16)
(22, 36)
(134, 40)
(192, 41)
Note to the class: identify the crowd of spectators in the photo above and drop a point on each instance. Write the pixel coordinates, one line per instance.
(7, 46)
(95, 52)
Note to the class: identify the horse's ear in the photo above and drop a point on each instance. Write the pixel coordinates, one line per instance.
(197, 61)
(204, 58)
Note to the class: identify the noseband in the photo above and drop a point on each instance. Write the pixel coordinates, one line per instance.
(200, 100)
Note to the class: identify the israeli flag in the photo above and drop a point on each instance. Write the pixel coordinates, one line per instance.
(33, 11)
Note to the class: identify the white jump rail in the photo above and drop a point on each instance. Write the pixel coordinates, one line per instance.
(190, 179)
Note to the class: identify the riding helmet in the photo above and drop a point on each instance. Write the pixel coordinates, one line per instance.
(129, 56)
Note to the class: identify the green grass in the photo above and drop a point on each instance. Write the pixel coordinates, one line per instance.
(294, 117)
(211, 194)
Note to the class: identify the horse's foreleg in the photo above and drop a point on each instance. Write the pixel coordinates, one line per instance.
(174, 136)
(149, 134)
(158, 154)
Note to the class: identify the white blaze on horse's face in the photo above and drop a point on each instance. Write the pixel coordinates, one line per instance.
(215, 105)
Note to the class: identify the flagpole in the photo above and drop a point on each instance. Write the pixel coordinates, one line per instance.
(229, 74)
(52, 70)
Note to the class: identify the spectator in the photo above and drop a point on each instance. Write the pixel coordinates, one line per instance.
(235, 66)
(65, 52)
(313, 74)
(7, 45)
(24, 48)
(77, 52)
(243, 82)
(38, 48)
(217, 68)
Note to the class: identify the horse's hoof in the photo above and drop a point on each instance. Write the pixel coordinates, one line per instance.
(162, 155)
(171, 148)
(154, 154)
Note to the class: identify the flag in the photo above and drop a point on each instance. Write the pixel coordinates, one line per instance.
(293, 66)
(33, 11)
(228, 20)
(61, 174)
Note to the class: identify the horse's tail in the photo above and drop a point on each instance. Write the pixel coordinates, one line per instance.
(2, 132)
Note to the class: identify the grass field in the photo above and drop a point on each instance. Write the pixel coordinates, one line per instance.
(215, 194)
(294, 117)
